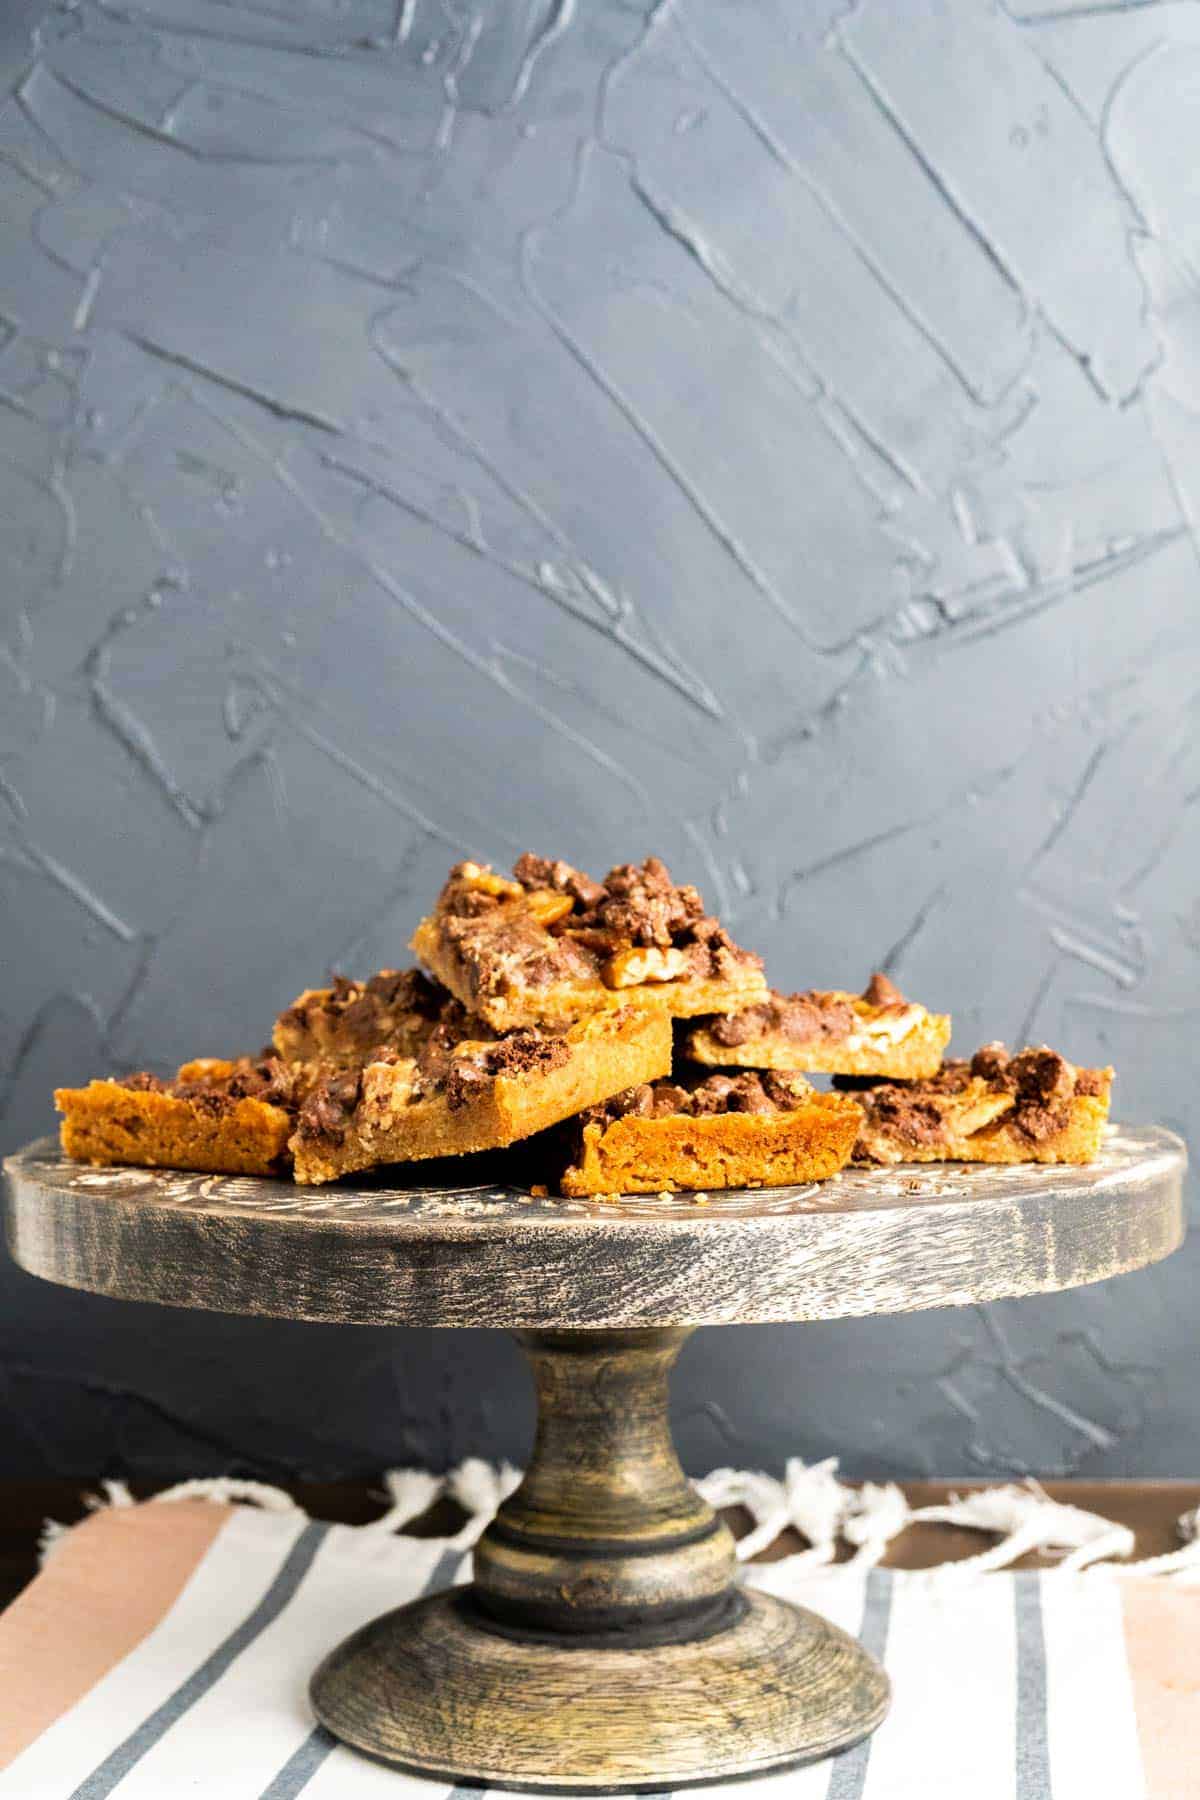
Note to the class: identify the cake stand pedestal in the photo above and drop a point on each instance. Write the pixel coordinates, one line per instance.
(604, 1644)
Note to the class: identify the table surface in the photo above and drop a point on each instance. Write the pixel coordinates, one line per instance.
(866, 1241)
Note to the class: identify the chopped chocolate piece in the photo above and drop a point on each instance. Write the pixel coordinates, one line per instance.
(539, 872)
(798, 1017)
(879, 991)
(434, 1057)
(330, 1106)
(909, 1117)
(991, 1062)
(732, 1093)
(1042, 1075)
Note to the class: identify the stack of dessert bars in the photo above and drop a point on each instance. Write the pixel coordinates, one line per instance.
(617, 1033)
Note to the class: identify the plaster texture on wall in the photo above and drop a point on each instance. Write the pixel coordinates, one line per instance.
(767, 435)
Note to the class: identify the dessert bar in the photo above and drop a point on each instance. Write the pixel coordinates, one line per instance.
(229, 1118)
(996, 1108)
(460, 1095)
(877, 1032)
(551, 943)
(746, 1130)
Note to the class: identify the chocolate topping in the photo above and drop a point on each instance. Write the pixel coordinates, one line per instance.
(461, 1077)
(1041, 1082)
(330, 1106)
(434, 1057)
(393, 1002)
(142, 1082)
(523, 1052)
(496, 948)
(910, 1117)
(750, 1091)
(539, 872)
(801, 1017)
(264, 1078)
(879, 991)
(636, 905)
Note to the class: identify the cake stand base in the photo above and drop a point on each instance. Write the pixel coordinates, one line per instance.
(427, 1688)
(605, 1644)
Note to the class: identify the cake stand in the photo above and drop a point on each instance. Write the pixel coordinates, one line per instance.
(604, 1644)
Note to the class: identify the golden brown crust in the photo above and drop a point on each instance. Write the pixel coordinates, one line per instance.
(391, 1116)
(546, 947)
(109, 1122)
(828, 1031)
(635, 1155)
(1033, 1107)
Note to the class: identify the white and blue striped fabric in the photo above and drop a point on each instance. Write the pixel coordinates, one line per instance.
(1006, 1687)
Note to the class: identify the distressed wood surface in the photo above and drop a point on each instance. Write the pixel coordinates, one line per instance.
(424, 1688)
(867, 1241)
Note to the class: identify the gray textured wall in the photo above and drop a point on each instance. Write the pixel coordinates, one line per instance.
(766, 434)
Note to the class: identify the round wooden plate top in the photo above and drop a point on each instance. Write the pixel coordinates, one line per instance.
(867, 1241)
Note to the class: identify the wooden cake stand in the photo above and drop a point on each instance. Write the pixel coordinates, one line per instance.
(605, 1644)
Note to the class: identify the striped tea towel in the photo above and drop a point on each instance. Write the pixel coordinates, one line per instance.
(165, 1650)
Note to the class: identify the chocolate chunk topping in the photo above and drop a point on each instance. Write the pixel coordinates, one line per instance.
(523, 1052)
(539, 872)
(394, 1000)
(1040, 1081)
(642, 905)
(800, 1017)
(879, 991)
(732, 1093)
(330, 1106)
(498, 943)
(265, 1078)
(464, 1080)
(908, 1116)
(991, 1062)
(749, 1091)
(143, 1083)
(1042, 1075)
(508, 946)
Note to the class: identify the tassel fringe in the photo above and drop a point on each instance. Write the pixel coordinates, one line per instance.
(809, 1499)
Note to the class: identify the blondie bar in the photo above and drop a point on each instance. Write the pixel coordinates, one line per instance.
(746, 1130)
(996, 1108)
(550, 944)
(459, 1095)
(229, 1118)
